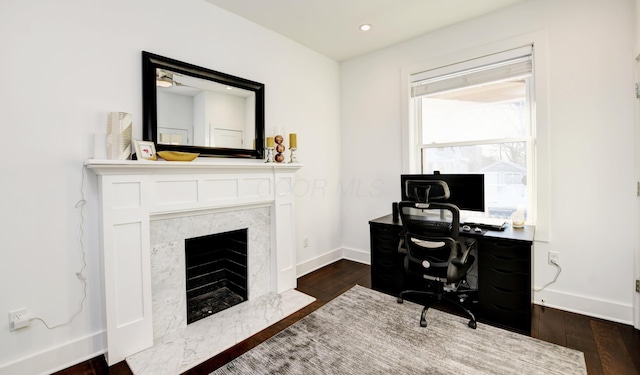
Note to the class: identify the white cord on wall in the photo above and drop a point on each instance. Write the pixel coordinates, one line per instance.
(80, 274)
(559, 269)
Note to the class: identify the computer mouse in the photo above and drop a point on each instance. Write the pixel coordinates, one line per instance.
(466, 228)
(478, 230)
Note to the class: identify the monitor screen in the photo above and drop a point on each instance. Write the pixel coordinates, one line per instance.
(466, 190)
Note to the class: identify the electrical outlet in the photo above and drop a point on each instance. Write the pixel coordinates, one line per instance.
(554, 257)
(305, 242)
(18, 319)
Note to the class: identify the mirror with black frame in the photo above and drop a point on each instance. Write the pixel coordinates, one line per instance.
(193, 109)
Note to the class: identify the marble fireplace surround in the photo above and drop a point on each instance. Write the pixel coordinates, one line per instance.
(168, 276)
(166, 201)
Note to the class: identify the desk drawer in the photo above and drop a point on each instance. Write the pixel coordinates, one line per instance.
(384, 239)
(505, 278)
(384, 232)
(387, 282)
(503, 264)
(384, 249)
(504, 297)
(519, 320)
(382, 264)
(507, 250)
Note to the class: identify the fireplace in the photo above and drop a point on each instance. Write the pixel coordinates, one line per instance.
(216, 271)
(169, 240)
(149, 209)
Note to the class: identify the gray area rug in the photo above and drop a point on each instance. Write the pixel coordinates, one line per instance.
(367, 332)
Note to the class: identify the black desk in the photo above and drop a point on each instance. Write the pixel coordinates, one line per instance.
(504, 271)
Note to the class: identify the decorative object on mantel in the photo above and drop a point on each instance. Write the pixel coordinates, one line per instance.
(279, 148)
(145, 150)
(270, 147)
(293, 146)
(119, 125)
(177, 155)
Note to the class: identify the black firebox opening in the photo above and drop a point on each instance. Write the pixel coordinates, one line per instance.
(216, 273)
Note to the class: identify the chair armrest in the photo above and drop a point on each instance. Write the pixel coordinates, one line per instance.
(462, 259)
(401, 248)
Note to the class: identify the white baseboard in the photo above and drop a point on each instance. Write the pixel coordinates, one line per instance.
(597, 308)
(357, 255)
(57, 358)
(607, 310)
(330, 257)
(318, 262)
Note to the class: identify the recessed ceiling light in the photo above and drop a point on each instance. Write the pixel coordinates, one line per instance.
(229, 88)
(365, 27)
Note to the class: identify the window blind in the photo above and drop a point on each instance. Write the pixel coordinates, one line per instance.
(500, 67)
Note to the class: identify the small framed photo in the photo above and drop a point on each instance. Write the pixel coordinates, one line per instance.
(145, 150)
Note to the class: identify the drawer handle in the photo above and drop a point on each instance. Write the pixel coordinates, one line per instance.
(508, 259)
(510, 272)
(503, 271)
(502, 246)
(504, 290)
(502, 257)
(502, 308)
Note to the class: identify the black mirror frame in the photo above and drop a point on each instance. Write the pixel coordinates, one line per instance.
(151, 61)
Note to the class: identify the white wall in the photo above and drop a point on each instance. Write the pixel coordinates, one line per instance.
(176, 112)
(585, 108)
(66, 64)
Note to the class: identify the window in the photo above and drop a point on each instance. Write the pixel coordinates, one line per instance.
(476, 117)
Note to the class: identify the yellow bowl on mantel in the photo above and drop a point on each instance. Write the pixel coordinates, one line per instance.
(177, 155)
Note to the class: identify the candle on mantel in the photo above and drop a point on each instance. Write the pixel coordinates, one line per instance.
(270, 142)
(293, 140)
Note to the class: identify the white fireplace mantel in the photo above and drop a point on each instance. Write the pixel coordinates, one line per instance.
(132, 193)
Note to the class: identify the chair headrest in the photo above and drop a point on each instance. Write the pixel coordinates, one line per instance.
(427, 190)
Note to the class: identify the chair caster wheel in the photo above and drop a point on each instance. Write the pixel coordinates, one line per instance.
(400, 300)
(423, 323)
(473, 324)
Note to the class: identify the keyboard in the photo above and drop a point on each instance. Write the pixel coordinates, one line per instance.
(435, 226)
(495, 227)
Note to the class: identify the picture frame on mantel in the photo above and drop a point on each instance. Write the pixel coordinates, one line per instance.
(145, 150)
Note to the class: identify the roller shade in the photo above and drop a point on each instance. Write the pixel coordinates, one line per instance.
(500, 67)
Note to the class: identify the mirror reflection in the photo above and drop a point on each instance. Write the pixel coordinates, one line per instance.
(194, 109)
(198, 112)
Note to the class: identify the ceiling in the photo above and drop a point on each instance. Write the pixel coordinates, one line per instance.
(331, 27)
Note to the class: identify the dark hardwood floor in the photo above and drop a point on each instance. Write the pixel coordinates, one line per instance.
(609, 348)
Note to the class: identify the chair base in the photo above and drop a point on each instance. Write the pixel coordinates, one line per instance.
(439, 297)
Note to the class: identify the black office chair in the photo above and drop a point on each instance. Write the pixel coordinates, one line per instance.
(433, 253)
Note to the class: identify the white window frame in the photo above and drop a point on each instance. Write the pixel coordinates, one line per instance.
(541, 190)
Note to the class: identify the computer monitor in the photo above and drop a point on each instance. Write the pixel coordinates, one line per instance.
(466, 190)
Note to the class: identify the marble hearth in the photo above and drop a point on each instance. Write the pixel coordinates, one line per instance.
(201, 340)
(147, 210)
